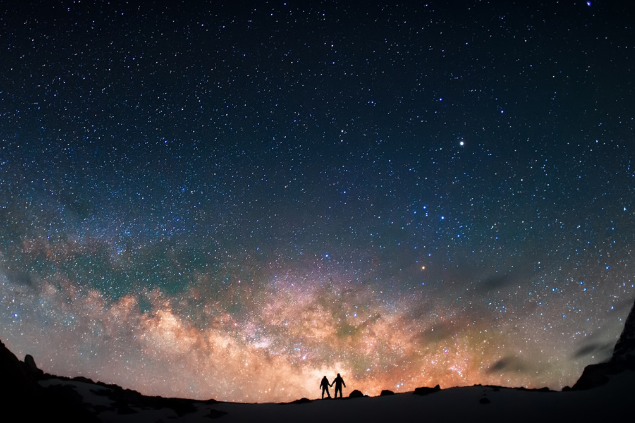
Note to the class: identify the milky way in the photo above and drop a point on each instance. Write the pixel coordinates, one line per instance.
(231, 201)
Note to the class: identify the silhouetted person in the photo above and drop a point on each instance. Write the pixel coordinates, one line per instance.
(325, 387)
(338, 384)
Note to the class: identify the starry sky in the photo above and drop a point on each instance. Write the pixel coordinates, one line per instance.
(232, 199)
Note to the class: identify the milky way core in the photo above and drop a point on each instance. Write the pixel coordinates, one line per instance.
(210, 201)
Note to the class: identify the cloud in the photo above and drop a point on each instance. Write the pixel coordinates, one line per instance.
(509, 364)
(595, 349)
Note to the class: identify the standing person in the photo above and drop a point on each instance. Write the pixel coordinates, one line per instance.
(325, 386)
(338, 384)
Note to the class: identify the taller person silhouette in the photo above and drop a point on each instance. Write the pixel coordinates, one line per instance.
(338, 384)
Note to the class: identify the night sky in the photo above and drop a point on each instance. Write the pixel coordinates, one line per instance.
(230, 201)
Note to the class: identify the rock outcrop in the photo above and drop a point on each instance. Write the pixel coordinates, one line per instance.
(24, 400)
(16, 384)
(623, 359)
(356, 394)
(29, 364)
(425, 390)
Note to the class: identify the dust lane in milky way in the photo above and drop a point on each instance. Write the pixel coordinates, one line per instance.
(204, 200)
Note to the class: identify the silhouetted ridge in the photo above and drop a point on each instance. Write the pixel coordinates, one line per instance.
(21, 395)
(625, 346)
(623, 359)
(16, 383)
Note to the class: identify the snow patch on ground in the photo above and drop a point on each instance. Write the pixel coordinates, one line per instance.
(476, 403)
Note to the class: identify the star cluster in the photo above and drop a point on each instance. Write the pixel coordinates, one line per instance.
(233, 199)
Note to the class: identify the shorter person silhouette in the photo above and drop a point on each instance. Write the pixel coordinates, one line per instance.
(325, 387)
(338, 384)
